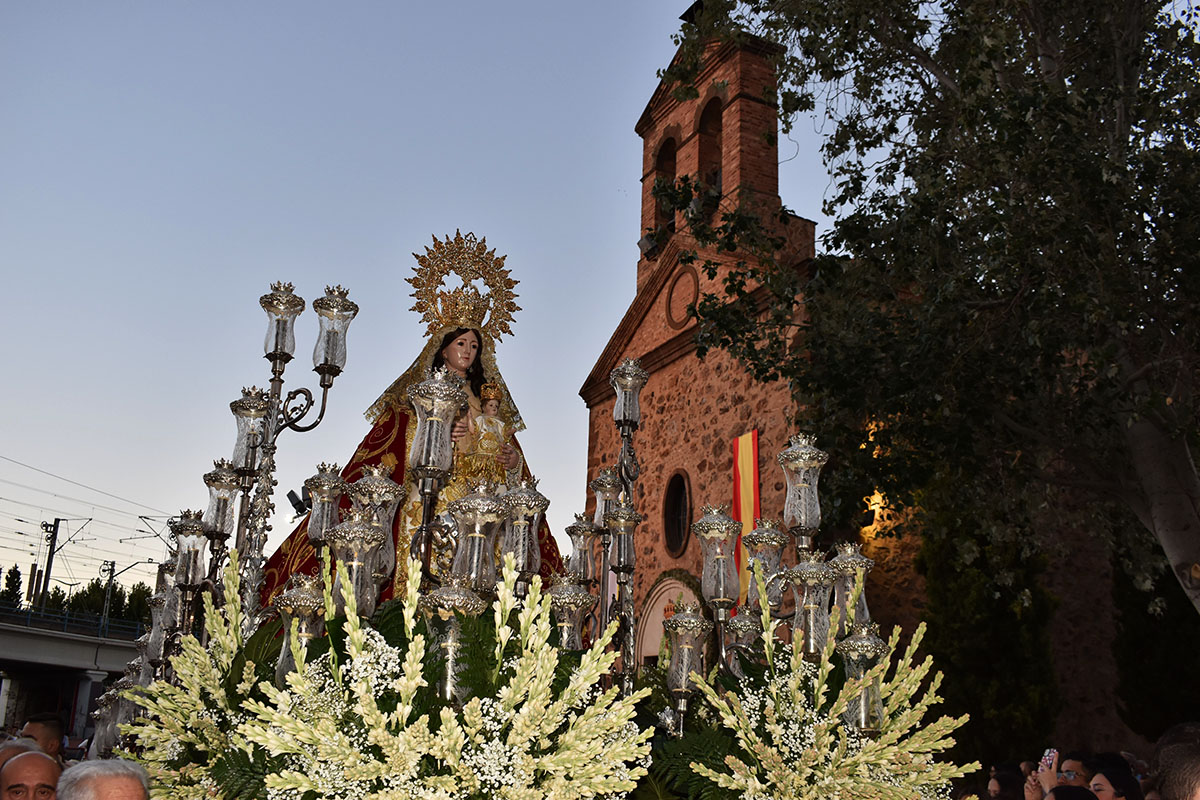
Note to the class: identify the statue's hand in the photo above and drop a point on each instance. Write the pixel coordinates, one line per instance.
(460, 429)
(508, 456)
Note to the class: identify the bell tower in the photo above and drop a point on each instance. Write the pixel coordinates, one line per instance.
(726, 139)
(692, 411)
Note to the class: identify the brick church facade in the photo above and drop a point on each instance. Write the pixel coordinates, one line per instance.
(692, 410)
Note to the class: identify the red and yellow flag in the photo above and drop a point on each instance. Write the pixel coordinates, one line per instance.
(745, 507)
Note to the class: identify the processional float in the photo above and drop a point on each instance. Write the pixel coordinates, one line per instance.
(486, 521)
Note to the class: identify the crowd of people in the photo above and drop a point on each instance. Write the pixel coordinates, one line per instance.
(33, 767)
(1172, 773)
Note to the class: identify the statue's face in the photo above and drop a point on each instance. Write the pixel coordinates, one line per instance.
(461, 353)
(491, 407)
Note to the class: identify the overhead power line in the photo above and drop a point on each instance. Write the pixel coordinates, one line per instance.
(82, 485)
(67, 497)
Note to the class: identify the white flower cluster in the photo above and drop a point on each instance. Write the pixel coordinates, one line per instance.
(797, 747)
(526, 742)
(187, 726)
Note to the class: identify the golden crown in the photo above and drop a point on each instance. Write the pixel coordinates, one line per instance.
(491, 391)
(464, 306)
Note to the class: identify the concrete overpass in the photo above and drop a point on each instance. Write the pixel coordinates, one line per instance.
(52, 669)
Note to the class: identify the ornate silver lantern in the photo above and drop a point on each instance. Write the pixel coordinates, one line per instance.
(302, 599)
(802, 463)
(436, 401)
(190, 544)
(282, 308)
(861, 651)
(105, 737)
(718, 533)
(607, 489)
(325, 490)
(223, 485)
(846, 566)
(164, 607)
(442, 607)
(686, 632)
(764, 546)
(378, 495)
(355, 544)
(812, 581)
(253, 426)
(582, 533)
(479, 516)
(334, 314)
(621, 523)
(525, 505)
(627, 381)
(571, 603)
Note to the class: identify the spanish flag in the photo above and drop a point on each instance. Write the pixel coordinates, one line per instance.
(745, 497)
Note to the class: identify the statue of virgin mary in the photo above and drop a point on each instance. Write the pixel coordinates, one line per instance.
(464, 326)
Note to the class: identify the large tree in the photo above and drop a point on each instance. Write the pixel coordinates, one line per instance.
(1011, 318)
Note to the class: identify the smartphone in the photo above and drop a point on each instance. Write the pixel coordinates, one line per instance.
(1048, 756)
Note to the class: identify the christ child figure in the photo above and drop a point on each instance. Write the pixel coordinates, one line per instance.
(489, 435)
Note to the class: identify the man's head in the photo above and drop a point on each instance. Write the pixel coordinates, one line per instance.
(1179, 771)
(1072, 770)
(14, 748)
(29, 776)
(108, 779)
(47, 731)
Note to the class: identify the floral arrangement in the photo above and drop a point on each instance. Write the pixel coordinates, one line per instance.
(362, 720)
(188, 725)
(789, 737)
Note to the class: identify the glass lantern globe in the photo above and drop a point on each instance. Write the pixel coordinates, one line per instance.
(860, 652)
(282, 308)
(525, 505)
(105, 737)
(686, 632)
(302, 599)
(582, 533)
(325, 489)
(165, 585)
(718, 533)
(355, 544)
(764, 546)
(622, 521)
(802, 463)
(251, 411)
(627, 381)
(846, 566)
(571, 603)
(223, 484)
(607, 488)
(378, 495)
(334, 314)
(442, 608)
(435, 402)
(812, 582)
(190, 544)
(480, 516)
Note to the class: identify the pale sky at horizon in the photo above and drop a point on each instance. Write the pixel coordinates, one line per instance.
(162, 163)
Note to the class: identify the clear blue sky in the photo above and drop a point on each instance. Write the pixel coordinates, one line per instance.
(162, 163)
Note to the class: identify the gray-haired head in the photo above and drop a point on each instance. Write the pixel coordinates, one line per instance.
(14, 747)
(84, 780)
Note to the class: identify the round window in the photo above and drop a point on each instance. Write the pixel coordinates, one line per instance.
(677, 514)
